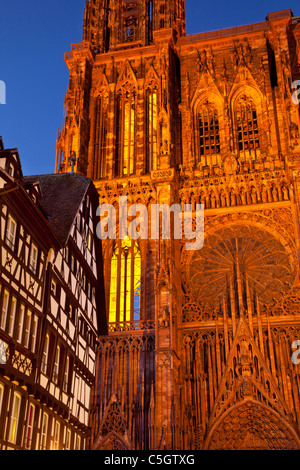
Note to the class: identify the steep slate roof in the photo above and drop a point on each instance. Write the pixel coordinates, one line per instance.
(62, 195)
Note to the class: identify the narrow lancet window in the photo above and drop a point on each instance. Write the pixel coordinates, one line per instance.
(208, 135)
(126, 130)
(247, 129)
(125, 283)
(152, 130)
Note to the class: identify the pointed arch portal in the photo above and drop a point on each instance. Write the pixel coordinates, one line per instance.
(251, 426)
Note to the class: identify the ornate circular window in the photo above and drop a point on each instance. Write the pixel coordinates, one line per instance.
(240, 255)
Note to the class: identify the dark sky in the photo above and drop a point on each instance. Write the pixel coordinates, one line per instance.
(34, 34)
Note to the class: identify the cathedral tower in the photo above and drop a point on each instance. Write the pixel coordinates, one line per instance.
(199, 351)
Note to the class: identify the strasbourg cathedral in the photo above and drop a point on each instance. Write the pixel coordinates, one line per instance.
(198, 351)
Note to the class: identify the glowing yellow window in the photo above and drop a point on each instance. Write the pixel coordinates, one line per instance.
(152, 130)
(129, 137)
(125, 282)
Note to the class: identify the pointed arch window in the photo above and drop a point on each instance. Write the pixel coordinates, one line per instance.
(247, 129)
(125, 282)
(100, 136)
(126, 131)
(152, 129)
(207, 134)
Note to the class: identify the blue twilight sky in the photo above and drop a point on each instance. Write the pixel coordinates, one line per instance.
(34, 34)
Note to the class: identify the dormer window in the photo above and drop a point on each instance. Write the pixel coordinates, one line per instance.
(11, 170)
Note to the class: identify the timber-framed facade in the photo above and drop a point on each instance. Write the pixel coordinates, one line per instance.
(51, 308)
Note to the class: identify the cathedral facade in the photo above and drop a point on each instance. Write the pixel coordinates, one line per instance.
(200, 350)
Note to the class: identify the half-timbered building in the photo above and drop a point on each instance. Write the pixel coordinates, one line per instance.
(51, 307)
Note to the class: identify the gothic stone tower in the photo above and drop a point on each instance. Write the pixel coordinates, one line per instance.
(199, 350)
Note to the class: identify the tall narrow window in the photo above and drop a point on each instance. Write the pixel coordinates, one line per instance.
(34, 333)
(56, 436)
(125, 284)
(56, 365)
(125, 164)
(45, 355)
(33, 258)
(208, 134)
(68, 440)
(4, 312)
(27, 329)
(1, 397)
(150, 20)
(152, 130)
(247, 129)
(11, 232)
(14, 418)
(66, 375)
(44, 433)
(100, 144)
(20, 323)
(78, 442)
(12, 316)
(29, 428)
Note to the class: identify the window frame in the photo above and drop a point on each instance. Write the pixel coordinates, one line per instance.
(125, 267)
(44, 433)
(248, 140)
(12, 315)
(8, 235)
(29, 427)
(33, 261)
(45, 354)
(14, 420)
(4, 312)
(207, 134)
(21, 316)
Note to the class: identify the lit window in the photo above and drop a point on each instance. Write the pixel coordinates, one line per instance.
(44, 431)
(45, 355)
(34, 333)
(27, 329)
(56, 365)
(11, 231)
(4, 309)
(66, 375)
(14, 418)
(125, 283)
(29, 429)
(33, 258)
(56, 436)
(78, 442)
(73, 264)
(13, 308)
(124, 163)
(152, 130)
(68, 440)
(20, 323)
(90, 240)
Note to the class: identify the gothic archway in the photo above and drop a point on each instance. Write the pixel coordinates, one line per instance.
(112, 441)
(251, 426)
